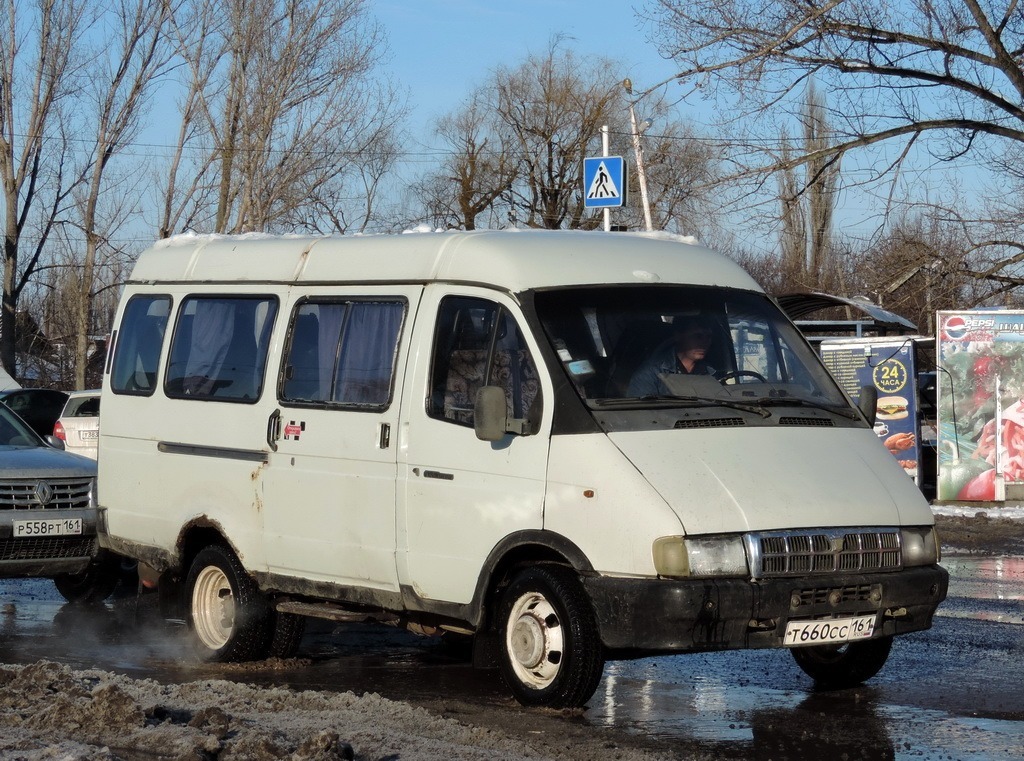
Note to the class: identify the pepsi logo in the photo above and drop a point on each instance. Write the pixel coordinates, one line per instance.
(956, 327)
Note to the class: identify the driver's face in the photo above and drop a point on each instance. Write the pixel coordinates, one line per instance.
(694, 342)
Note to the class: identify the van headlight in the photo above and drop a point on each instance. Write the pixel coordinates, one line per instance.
(700, 556)
(920, 546)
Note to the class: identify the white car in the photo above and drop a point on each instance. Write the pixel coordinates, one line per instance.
(79, 424)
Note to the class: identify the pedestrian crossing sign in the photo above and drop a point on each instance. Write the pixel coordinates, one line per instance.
(604, 182)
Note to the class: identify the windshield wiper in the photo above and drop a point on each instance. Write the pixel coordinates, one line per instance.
(685, 401)
(798, 401)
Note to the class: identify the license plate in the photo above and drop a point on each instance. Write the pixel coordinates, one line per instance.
(828, 631)
(62, 527)
(89, 434)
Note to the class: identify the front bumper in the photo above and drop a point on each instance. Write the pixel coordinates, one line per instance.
(672, 615)
(46, 555)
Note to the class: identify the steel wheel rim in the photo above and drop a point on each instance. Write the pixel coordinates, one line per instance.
(534, 640)
(213, 608)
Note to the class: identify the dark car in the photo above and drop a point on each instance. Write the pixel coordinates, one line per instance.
(48, 515)
(39, 407)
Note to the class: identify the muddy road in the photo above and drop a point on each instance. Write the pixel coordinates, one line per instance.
(954, 692)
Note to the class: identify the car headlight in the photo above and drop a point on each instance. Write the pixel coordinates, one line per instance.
(920, 546)
(679, 556)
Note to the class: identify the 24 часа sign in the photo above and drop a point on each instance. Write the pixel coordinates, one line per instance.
(888, 364)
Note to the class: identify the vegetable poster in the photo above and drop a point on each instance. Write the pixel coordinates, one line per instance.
(981, 405)
(889, 365)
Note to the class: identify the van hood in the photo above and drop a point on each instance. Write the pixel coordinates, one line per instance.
(44, 462)
(759, 479)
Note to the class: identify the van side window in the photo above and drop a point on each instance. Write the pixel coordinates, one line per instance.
(343, 353)
(478, 343)
(219, 348)
(140, 339)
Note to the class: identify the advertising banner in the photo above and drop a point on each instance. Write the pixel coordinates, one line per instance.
(980, 357)
(889, 365)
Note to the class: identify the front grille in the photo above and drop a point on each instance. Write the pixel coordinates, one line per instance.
(47, 548)
(824, 551)
(57, 493)
(838, 595)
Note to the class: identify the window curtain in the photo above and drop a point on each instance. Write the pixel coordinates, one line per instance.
(367, 354)
(212, 330)
(332, 320)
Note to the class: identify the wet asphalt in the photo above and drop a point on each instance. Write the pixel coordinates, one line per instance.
(953, 692)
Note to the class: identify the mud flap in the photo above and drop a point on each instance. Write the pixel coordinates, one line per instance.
(486, 650)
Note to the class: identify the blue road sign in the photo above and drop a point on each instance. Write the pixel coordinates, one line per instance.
(604, 182)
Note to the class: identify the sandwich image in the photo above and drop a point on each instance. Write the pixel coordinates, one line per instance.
(891, 407)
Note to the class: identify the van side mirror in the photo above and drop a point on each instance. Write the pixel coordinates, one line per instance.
(868, 403)
(490, 415)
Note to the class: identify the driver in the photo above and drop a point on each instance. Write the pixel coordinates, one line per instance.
(684, 354)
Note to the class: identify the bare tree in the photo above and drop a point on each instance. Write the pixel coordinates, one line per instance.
(125, 72)
(515, 150)
(808, 203)
(280, 107)
(39, 63)
(944, 76)
(682, 170)
(551, 108)
(477, 168)
(793, 218)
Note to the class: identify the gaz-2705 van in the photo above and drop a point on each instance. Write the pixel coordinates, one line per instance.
(497, 434)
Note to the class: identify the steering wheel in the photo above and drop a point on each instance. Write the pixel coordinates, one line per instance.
(740, 374)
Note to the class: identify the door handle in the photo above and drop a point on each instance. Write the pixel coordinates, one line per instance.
(274, 430)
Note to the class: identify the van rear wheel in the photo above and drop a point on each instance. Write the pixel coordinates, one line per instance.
(228, 617)
(551, 653)
(846, 665)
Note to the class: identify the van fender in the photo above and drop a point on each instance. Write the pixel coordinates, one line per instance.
(516, 550)
(199, 532)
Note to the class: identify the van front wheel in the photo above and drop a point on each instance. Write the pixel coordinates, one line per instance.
(551, 653)
(838, 666)
(228, 618)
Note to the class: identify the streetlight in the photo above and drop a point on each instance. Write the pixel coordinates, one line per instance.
(640, 174)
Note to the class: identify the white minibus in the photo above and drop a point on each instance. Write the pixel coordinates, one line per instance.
(569, 446)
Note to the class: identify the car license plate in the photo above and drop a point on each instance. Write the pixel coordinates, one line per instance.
(89, 434)
(826, 631)
(62, 527)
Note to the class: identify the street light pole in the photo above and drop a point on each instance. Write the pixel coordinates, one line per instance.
(605, 147)
(638, 150)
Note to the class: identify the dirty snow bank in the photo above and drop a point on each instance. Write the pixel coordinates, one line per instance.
(1007, 512)
(50, 711)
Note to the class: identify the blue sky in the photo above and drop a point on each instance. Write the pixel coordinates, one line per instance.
(442, 49)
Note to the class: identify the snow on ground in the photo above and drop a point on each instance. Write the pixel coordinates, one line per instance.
(50, 711)
(1014, 513)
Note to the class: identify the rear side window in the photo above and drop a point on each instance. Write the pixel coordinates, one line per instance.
(343, 353)
(82, 406)
(219, 348)
(137, 354)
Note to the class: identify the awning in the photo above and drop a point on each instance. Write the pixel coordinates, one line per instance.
(875, 318)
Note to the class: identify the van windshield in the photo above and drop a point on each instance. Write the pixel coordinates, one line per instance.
(650, 346)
